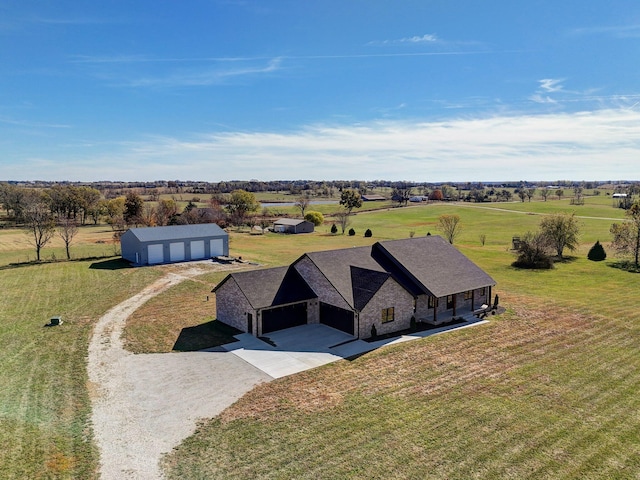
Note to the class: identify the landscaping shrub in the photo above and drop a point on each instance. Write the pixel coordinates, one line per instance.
(314, 217)
(533, 251)
(374, 331)
(334, 229)
(597, 253)
(352, 232)
(368, 233)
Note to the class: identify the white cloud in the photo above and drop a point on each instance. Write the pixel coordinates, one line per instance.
(618, 31)
(427, 38)
(551, 84)
(541, 99)
(416, 39)
(204, 76)
(598, 145)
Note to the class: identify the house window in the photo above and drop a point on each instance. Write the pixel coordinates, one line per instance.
(387, 315)
(483, 291)
(433, 302)
(468, 295)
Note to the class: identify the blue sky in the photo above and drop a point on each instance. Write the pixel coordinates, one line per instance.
(424, 90)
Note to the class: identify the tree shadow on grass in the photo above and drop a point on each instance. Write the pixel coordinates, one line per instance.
(565, 259)
(111, 264)
(626, 265)
(206, 335)
(31, 263)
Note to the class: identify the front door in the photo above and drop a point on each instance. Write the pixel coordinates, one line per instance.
(451, 302)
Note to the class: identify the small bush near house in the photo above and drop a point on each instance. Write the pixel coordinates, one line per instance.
(368, 233)
(334, 229)
(597, 253)
(374, 331)
(352, 232)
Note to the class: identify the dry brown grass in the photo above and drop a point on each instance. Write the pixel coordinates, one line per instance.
(179, 319)
(466, 361)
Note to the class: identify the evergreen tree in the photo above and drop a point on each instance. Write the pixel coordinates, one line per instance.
(597, 253)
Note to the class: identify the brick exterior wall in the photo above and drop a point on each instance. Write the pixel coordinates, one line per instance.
(232, 306)
(391, 294)
(319, 284)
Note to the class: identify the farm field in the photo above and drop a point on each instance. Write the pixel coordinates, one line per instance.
(548, 390)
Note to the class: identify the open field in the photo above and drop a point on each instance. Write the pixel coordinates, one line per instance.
(548, 390)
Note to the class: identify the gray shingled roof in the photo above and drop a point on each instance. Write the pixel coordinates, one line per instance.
(423, 265)
(271, 286)
(437, 266)
(337, 265)
(177, 232)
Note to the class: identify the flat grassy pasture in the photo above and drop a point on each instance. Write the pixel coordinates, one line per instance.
(548, 390)
(44, 395)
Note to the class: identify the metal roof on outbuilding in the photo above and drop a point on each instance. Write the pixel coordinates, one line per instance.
(177, 232)
(289, 221)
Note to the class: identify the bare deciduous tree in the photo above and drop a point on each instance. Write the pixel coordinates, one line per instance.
(40, 224)
(450, 226)
(302, 204)
(67, 229)
(342, 218)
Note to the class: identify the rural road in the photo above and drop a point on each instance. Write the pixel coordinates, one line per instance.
(145, 405)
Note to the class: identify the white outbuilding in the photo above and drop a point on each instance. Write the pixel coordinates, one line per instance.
(175, 243)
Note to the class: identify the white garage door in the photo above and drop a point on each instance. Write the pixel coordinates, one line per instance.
(217, 247)
(176, 251)
(155, 254)
(197, 249)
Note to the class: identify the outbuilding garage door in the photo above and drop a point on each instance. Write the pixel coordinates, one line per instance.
(335, 317)
(176, 251)
(284, 317)
(216, 247)
(197, 249)
(155, 254)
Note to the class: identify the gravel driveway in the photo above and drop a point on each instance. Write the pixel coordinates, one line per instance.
(144, 405)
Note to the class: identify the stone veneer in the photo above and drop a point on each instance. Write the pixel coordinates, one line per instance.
(319, 284)
(232, 306)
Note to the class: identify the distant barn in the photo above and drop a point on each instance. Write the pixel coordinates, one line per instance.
(177, 243)
(292, 225)
(373, 198)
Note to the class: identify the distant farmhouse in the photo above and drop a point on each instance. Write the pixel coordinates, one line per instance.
(292, 225)
(355, 289)
(177, 243)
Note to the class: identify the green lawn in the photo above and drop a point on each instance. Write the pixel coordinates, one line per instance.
(44, 396)
(548, 390)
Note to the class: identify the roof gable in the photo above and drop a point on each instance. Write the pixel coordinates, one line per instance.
(269, 287)
(337, 266)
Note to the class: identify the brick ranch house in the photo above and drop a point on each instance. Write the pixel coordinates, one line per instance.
(353, 289)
